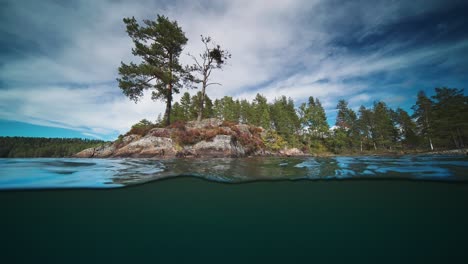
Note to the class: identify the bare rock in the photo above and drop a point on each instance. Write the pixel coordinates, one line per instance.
(220, 146)
(205, 123)
(130, 138)
(291, 152)
(160, 132)
(87, 153)
(102, 151)
(148, 146)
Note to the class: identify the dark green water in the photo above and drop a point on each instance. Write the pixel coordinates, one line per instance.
(191, 220)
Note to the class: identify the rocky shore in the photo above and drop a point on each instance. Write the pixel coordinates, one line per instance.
(208, 138)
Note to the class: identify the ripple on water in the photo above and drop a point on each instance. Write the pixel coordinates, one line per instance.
(111, 173)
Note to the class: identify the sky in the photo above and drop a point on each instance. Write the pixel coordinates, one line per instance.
(59, 59)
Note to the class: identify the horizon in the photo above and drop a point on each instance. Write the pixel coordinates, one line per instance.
(59, 60)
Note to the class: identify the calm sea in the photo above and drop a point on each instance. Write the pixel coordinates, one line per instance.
(406, 209)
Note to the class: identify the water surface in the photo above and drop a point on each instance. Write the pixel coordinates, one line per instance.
(112, 173)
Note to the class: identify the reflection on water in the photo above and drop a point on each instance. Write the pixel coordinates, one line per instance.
(111, 173)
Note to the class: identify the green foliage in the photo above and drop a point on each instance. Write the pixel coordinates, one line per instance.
(285, 120)
(261, 112)
(314, 125)
(159, 44)
(273, 141)
(141, 128)
(423, 113)
(450, 118)
(407, 130)
(29, 147)
(442, 119)
(227, 109)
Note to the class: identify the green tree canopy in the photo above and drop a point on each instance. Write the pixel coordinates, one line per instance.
(159, 44)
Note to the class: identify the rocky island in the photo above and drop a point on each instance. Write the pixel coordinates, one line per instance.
(210, 137)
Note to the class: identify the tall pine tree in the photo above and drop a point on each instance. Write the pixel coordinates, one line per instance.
(159, 44)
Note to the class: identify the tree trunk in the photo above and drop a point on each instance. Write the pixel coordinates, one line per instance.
(430, 143)
(201, 103)
(455, 141)
(167, 114)
(462, 144)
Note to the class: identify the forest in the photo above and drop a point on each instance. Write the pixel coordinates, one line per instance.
(31, 147)
(438, 122)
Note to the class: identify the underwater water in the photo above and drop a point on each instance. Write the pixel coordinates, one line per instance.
(111, 173)
(410, 209)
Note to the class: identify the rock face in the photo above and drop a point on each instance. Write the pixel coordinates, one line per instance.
(148, 146)
(209, 138)
(103, 151)
(221, 146)
(291, 152)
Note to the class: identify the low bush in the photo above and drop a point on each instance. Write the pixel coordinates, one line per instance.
(141, 128)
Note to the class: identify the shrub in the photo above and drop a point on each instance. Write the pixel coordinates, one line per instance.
(228, 124)
(187, 137)
(141, 128)
(178, 125)
(273, 141)
(209, 134)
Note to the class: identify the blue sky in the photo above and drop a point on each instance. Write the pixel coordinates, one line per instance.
(59, 59)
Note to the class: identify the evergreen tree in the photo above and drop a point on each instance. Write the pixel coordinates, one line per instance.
(285, 120)
(408, 129)
(450, 117)
(195, 104)
(246, 112)
(177, 113)
(315, 119)
(227, 109)
(423, 115)
(261, 112)
(346, 122)
(186, 106)
(385, 133)
(159, 44)
(366, 128)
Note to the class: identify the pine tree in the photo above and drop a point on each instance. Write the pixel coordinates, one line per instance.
(261, 112)
(423, 115)
(186, 105)
(285, 120)
(159, 44)
(407, 127)
(450, 117)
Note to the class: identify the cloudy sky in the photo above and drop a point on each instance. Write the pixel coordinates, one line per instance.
(59, 59)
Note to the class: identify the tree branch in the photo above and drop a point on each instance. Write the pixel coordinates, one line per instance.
(195, 59)
(213, 83)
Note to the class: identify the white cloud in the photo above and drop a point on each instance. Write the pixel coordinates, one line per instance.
(277, 47)
(93, 110)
